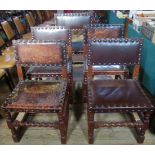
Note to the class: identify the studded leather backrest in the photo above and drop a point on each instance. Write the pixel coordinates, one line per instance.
(114, 51)
(53, 33)
(105, 31)
(40, 53)
(8, 30)
(19, 25)
(73, 20)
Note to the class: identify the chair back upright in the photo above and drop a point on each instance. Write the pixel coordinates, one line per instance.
(53, 33)
(119, 51)
(97, 31)
(37, 53)
(76, 22)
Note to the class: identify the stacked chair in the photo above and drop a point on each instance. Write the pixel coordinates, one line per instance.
(100, 31)
(44, 67)
(76, 22)
(53, 33)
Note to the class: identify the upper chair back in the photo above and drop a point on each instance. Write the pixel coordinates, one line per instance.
(19, 26)
(73, 20)
(8, 30)
(77, 23)
(53, 33)
(100, 31)
(118, 51)
(40, 53)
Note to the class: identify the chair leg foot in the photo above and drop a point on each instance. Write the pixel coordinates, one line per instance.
(140, 139)
(90, 127)
(15, 138)
(91, 141)
(141, 134)
(63, 129)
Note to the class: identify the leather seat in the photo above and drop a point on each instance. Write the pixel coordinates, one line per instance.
(38, 95)
(114, 94)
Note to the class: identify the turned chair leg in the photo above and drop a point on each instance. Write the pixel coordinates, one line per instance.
(90, 127)
(14, 132)
(141, 133)
(141, 137)
(62, 127)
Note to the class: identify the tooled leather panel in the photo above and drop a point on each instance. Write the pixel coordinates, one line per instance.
(118, 93)
(38, 94)
(104, 33)
(76, 22)
(114, 52)
(50, 34)
(40, 54)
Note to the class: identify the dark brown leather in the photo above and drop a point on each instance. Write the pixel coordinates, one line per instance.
(38, 95)
(118, 94)
(114, 51)
(53, 33)
(105, 31)
(73, 20)
(48, 53)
